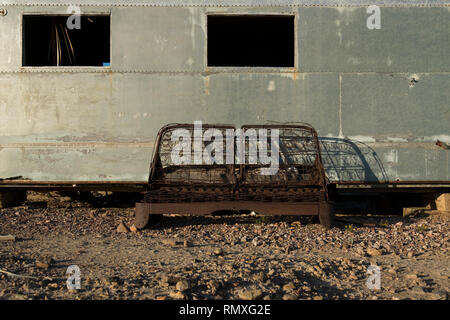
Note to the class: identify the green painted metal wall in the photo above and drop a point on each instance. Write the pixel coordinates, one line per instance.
(354, 85)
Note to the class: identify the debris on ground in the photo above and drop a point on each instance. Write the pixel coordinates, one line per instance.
(214, 257)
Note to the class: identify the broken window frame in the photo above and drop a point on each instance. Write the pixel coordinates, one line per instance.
(63, 68)
(292, 69)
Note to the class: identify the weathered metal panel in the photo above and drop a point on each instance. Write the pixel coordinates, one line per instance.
(394, 108)
(404, 162)
(387, 88)
(410, 40)
(10, 40)
(58, 105)
(98, 112)
(113, 107)
(159, 39)
(72, 163)
(401, 120)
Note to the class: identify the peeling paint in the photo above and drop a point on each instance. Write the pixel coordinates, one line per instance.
(339, 34)
(292, 75)
(206, 85)
(442, 137)
(190, 61)
(353, 60)
(345, 10)
(396, 139)
(271, 86)
(391, 157)
(413, 79)
(362, 138)
(389, 61)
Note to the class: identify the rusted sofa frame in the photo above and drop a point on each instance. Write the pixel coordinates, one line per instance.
(183, 189)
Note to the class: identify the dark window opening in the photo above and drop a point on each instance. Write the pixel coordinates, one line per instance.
(251, 41)
(48, 42)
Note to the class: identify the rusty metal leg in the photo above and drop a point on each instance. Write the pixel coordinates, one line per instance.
(326, 215)
(141, 215)
(12, 198)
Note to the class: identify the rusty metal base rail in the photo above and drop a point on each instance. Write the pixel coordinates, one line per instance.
(44, 186)
(139, 186)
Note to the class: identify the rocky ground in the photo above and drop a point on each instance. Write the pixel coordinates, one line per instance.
(216, 257)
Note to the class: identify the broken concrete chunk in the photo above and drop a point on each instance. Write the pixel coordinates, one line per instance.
(443, 202)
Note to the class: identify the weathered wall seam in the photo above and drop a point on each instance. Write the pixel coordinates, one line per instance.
(234, 71)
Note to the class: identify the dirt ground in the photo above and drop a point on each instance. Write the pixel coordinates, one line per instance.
(216, 257)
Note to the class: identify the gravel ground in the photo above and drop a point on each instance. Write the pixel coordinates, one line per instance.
(216, 257)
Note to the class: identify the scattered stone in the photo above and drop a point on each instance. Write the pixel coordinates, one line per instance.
(133, 229)
(392, 270)
(259, 276)
(44, 262)
(155, 270)
(306, 289)
(418, 289)
(122, 228)
(318, 298)
(176, 295)
(373, 252)
(168, 280)
(360, 251)
(169, 242)
(288, 287)
(52, 286)
(26, 288)
(214, 286)
(413, 212)
(182, 285)
(442, 294)
(443, 202)
(249, 294)
(353, 277)
(411, 276)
